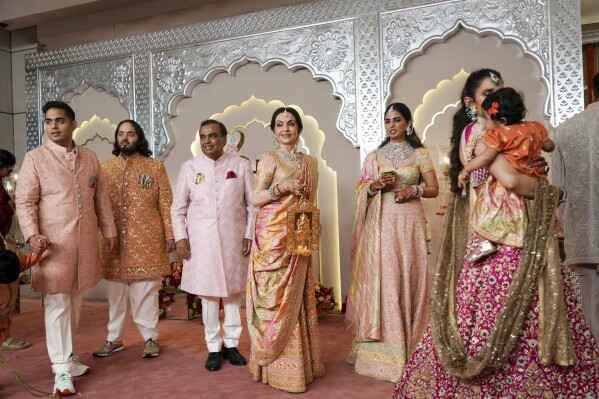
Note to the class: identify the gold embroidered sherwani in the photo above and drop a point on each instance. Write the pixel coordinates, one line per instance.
(141, 197)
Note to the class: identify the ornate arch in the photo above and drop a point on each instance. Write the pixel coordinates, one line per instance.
(407, 33)
(357, 45)
(323, 49)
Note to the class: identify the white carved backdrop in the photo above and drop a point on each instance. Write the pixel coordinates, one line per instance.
(360, 47)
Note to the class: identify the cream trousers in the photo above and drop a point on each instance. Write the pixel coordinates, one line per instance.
(142, 295)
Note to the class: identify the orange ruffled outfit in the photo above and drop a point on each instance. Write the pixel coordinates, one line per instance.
(500, 215)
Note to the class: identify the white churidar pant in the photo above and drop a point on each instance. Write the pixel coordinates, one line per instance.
(61, 318)
(231, 325)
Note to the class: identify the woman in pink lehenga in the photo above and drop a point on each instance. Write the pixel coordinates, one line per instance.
(281, 309)
(387, 305)
(510, 326)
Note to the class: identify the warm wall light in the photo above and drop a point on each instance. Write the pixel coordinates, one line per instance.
(10, 181)
(443, 151)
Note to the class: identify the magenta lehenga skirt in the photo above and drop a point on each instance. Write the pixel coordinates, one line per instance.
(480, 292)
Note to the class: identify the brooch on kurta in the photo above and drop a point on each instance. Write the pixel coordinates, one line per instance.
(93, 181)
(145, 180)
(199, 178)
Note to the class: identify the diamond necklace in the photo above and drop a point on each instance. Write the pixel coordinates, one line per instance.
(296, 157)
(397, 152)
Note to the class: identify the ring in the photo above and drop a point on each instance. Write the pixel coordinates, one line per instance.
(546, 169)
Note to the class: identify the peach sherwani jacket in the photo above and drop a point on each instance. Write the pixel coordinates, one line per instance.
(212, 208)
(67, 202)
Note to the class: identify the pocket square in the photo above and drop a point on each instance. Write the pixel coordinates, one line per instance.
(231, 175)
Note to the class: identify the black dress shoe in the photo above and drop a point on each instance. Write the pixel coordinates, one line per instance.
(213, 361)
(235, 358)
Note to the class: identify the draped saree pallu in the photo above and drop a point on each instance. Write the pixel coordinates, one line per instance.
(281, 310)
(510, 326)
(387, 305)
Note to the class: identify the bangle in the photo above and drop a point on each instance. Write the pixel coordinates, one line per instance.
(370, 192)
(271, 192)
(417, 191)
(564, 197)
(414, 191)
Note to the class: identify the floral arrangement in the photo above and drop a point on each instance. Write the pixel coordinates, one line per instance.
(170, 286)
(325, 298)
(194, 306)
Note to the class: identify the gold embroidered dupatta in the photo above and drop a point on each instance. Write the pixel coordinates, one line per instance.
(539, 269)
(276, 280)
(363, 315)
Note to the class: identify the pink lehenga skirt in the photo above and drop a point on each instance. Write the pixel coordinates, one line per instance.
(479, 297)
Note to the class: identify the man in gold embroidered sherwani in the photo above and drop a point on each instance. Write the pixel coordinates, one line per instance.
(141, 198)
(577, 170)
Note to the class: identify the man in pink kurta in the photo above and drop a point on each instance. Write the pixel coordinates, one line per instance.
(61, 201)
(213, 223)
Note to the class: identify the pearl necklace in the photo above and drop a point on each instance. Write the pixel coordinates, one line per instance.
(296, 157)
(397, 152)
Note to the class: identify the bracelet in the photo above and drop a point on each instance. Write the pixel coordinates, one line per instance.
(564, 197)
(370, 192)
(414, 191)
(271, 192)
(417, 191)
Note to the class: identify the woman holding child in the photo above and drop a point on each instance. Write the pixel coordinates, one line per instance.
(504, 324)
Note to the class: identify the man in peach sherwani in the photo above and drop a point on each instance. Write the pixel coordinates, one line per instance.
(213, 222)
(61, 201)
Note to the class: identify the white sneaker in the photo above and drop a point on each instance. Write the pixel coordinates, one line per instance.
(63, 384)
(78, 369)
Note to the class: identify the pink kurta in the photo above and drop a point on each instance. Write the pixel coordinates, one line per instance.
(67, 202)
(212, 208)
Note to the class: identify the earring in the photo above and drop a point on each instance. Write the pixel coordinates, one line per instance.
(471, 112)
(275, 143)
(409, 130)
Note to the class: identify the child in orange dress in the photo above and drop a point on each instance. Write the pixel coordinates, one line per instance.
(11, 265)
(499, 216)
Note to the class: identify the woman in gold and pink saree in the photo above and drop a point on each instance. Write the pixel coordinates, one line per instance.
(281, 309)
(387, 305)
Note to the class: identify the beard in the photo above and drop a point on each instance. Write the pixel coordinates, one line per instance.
(130, 150)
